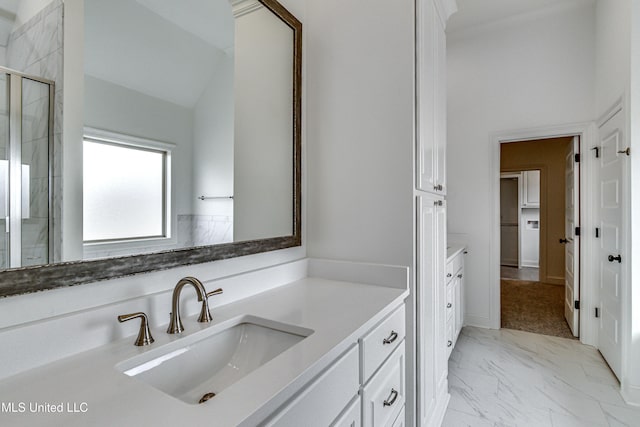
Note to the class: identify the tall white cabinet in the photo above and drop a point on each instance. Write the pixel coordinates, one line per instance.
(430, 191)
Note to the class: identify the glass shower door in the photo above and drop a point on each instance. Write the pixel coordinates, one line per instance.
(4, 171)
(35, 182)
(26, 136)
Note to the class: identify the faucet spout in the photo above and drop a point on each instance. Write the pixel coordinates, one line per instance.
(175, 324)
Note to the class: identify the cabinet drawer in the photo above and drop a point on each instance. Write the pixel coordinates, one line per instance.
(351, 417)
(384, 397)
(450, 336)
(400, 421)
(321, 402)
(454, 266)
(449, 272)
(378, 344)
(450, 304)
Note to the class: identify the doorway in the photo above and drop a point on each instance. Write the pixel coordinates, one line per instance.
(539, 210)
(520, 225)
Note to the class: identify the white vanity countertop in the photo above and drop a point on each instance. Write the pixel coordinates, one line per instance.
(338, 313)
(453, 250)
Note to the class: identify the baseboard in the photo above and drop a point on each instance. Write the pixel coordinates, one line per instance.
(630, 394)
(554, 280)
(508, 263)
(530, 264)
(477, 321)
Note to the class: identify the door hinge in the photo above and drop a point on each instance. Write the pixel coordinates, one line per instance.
(597, 233)
(597, 150)
(577, 233)
(577, 157)
(576, 305)
(597, 312)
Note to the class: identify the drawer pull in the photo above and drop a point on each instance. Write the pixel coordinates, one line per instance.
(391, 338)
(391, 399)
(449, 274)
(449, 305)
(460, 276)
(449, 343)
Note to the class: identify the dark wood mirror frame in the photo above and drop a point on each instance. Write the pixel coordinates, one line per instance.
(39, 278)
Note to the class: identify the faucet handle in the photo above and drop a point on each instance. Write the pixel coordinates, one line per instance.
(144, 336)
(205, 314)
(216, 292)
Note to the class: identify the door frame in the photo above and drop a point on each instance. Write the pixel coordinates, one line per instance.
(587, 133)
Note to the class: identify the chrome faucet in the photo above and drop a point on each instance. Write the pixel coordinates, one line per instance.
(175, 324)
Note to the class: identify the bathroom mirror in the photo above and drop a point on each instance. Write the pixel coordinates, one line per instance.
(191, 142)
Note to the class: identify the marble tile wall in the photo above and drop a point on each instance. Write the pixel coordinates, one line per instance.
(36, 48)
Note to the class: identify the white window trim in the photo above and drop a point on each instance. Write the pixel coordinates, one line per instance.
(144, 244)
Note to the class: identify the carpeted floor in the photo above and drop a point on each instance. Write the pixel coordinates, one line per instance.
(533, 307)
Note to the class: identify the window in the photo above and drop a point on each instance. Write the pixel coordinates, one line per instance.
(125, 187)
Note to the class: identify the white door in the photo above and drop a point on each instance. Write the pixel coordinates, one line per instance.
(610, 250)
(571, 240)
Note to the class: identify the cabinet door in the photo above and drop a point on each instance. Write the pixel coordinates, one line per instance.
(431, 297)
(531, 189)
(426, 315)
(384, 396)
(426, 82)
(459, 309)
(400, 421)
(442, 359)
(440, 107)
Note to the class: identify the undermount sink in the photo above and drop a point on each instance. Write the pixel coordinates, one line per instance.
(198, 367)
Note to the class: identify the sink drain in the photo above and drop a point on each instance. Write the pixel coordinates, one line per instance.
(206, 397)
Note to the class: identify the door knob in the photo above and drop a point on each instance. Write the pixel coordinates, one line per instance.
(564, 241)
(615, 258)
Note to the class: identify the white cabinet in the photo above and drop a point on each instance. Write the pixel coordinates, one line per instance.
(455, 299)
(320, 403)
(352, 416)
(530, 189)
(432, 99)
(400, 420)
(431, 311)
(363, 387)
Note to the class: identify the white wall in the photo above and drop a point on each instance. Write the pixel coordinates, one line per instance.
(613, 27)
(360, 135)
(518, 75)
(213, 136)
(263, 142)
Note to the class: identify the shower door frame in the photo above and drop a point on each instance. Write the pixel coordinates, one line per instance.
(14, 91)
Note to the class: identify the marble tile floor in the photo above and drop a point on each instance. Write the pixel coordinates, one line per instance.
(515, 378)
